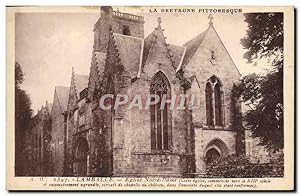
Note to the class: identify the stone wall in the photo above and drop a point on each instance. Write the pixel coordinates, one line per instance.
(201, 68)
(224, 69)
(132, 144)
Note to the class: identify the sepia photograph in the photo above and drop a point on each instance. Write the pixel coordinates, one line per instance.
(152, 98)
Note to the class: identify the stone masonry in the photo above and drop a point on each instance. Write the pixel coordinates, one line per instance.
(89, 141)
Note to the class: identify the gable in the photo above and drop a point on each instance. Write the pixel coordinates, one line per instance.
(78, 83)
(159, 55)
(192, 46)
(62, 94)
(56, 107)
(81, 82)
(199, 61)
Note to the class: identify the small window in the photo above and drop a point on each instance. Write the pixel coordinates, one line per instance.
(126, 30)
(81, 119)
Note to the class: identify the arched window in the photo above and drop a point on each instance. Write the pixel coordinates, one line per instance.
(209, 106)
(213, 94)
(218, 104)
(126, 30)
(160, 123)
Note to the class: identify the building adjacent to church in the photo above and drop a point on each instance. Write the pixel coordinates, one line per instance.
(89, 141)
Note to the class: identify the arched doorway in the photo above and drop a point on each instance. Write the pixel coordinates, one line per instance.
(81, 157)
(212, 155)
(215, 150)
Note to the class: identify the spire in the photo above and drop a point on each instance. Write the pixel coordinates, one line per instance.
(168, 52)
(210, 17)
(72, 74)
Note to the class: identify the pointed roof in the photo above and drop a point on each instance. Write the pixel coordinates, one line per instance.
(62, 93)
(148, 41)
(151, 40)
(192, 46)
(81, 82)
(174, 53)
(130, 50)
(50, 107)
(177, 53)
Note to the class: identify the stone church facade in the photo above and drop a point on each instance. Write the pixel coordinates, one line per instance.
(89, 141)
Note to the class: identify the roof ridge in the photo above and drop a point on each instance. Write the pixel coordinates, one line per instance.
(58, 94)
(58, 101)
(196, 37)
(154, 33)
(226, 50)
(192, 45)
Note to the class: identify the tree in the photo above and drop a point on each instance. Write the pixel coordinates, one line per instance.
(264, 93)
(23, 113)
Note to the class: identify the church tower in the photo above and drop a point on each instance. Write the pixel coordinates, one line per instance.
(121, 23)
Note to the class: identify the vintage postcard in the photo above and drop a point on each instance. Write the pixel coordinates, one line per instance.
(150, 98)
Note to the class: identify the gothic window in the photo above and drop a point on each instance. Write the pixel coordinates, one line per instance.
(209, 106)
(213, 95)
(160, 123)
(218, 104)
(81, 119)
(126, 30)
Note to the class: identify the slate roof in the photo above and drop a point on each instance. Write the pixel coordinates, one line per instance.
(192, 45)
(81, 82)
(177, 52)
(130, 51)
(148, 41)
(62, 93)
(134, 52)
(50, 107)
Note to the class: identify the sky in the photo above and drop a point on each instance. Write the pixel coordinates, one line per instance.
(48, 45)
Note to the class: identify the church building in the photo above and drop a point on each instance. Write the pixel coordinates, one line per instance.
(154, 141)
